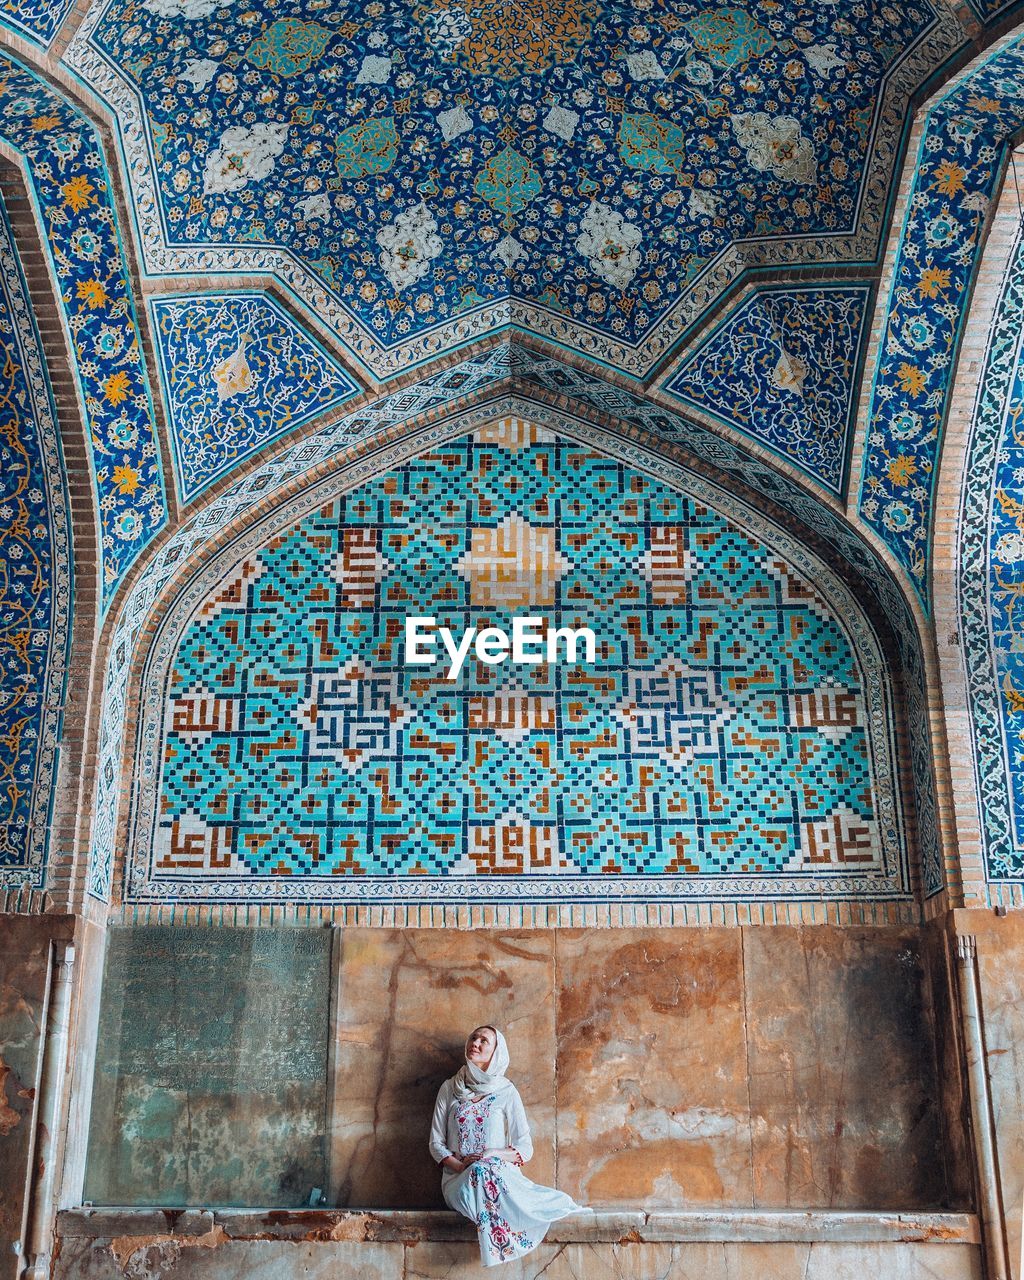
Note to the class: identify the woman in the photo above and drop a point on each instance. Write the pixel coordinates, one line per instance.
(480, 1138)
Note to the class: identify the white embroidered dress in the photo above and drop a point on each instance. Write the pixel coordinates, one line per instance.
(511, 1213)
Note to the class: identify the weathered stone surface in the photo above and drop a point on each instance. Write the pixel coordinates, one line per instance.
(938, 950)
(851, 1262)
(412, 1226)
(221, 1259)
(842, 1069)
(109, 1222)
(82, 1259)
(87, 998)
(24, 968)
(404, 1226)
(406, 1000)
(211, 1073)
(652, 1087)
(1000, 965)
(708, 1262)
(768, 1226)
(691, 1069)
(606, 1228)
(552, 1261)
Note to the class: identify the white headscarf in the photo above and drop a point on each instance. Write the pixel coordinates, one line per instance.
(472, 1082)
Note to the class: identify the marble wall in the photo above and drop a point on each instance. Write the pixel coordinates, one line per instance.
(211, 1067)
(766, 1068)
(217, 1256)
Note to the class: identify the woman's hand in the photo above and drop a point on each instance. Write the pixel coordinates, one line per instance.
(459, 1164)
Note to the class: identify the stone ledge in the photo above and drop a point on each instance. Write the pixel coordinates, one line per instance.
(413, 1226)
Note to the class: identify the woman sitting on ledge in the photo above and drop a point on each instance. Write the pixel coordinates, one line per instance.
(480, 1137)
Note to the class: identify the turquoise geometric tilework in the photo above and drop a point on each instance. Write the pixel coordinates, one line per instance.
(421, 173)
(238, 373)
(732, 737)
(959, 166)
(479, 376)
(35, 582)
(72, 192)
(731, 461)
(783, 368)
(992, 581)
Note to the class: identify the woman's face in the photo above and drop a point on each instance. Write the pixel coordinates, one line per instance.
(480, 1046)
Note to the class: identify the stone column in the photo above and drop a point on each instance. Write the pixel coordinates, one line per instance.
(41, 1206)
(989, 1191)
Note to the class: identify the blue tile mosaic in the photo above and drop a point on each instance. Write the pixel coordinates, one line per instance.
(238, 373)
(37, 20)
(421, 174)
(467, 380)
(660, 423)
(959, 166)
(989, 11)
(35, 582)
(72, 191)
(783, 368)
(734, 728)
(992, 581)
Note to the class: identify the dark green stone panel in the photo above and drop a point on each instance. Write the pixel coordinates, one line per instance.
(211, 1070)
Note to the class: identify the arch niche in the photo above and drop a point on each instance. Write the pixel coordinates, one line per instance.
(738, 743)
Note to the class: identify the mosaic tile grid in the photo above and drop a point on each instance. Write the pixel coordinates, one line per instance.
(959, 165)
(72, 191)
(420, 174)
(485, 382)
(724, 730)
(238, 372)
(35, 582)
(783, 368)
(38, 20)
(479, 376)
(991, 583)
(731, 461)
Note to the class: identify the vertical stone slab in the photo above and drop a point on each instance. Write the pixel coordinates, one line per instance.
(652, 1079)
(938, 950)
(843, 1082)
(406, 999)
(211, 1071)
(1000, 943)
(24, 981)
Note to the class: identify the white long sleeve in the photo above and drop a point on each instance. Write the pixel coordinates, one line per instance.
(439, 1148)
(518, 1125)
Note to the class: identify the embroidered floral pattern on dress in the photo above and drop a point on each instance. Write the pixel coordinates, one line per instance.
(498, 1238)
(472, 1117)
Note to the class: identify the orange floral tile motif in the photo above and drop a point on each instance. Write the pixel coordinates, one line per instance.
(509, 41)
